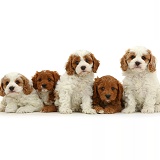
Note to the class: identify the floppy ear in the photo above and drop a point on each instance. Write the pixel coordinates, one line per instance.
(152, 62)
(123, 62)
(2, 93)
(34, 80)
(69, 68)
(56, 76)
(95, 92)
(95, 63)
(120, 91)
(27, 88)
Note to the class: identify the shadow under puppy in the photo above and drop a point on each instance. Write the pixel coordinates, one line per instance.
(107, 95)
(18, 95)
(45, 82)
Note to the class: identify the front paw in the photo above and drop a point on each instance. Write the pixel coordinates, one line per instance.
(89, 111)
(65, 110)
(10, 109)
(128, 110)
(25, 110)
(46, 109)
(157, 108)
(147, 110)
(109, 110)
(99, 109)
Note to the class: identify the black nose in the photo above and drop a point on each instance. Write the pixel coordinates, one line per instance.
(137, 63)
(83, 67)
(108, 96)
(44, 85)
(11, 88)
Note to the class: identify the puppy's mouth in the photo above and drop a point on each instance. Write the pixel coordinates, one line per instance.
(13, 92)
(108, 100)
(84, 72)
(44, 90)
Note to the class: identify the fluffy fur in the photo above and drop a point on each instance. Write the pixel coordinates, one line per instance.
(107, 95)
(19, 95)
(45, 82)
(141, 85)
(74, 89)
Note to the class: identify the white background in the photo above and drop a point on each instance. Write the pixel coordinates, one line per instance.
(37, 35)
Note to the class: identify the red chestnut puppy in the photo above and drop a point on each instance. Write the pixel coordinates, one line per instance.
(45, 82)
(107, 95)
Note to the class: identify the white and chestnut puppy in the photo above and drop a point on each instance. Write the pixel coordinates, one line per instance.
(19, 95)
(141, 85)
(74, 89)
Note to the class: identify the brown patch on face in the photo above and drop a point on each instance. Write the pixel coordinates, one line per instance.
(130, 56)
(45, 80)
(19, 82)
(107, 89)
(72, 63)
(88, 59)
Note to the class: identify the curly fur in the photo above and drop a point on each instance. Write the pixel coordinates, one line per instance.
(141, 85)
(45, 82)
(107, 95)
(74, 89)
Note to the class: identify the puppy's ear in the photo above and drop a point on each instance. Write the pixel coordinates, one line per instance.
(120, 91)
(2, 93)
(96, 63)
(34, 80)
(124, 64)
(27, 88)
(56, 76)
(152, 62)
(69, 68)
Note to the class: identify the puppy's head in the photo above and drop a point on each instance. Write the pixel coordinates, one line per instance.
(138, 59)
(15, 83)
(81, 63)
(45, 80)
(107, 89)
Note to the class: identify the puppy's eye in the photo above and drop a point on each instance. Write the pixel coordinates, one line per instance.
(102, 88)
(113, 88)
(49, 79)
(39, 79)
(76, 62)
(7, 83)
(143, 57)
(87, 60)
(17, 82)
(132, 57)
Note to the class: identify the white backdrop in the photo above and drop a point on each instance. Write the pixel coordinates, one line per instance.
(37, 35)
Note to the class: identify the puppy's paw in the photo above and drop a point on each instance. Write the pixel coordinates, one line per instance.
(10, 110)
(100, 111)
(65, 110)
(46, 109)
(128, 110)
(89, 111)
(109, 110)
(147, 110)
(157, 108)
(25, 110)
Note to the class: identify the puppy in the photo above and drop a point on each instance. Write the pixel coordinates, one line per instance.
(45, 82)
(141, 85)
(74, 89)
(107, 95)
(19, 95)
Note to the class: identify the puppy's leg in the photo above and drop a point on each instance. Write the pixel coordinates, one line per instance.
(11, 108)
(130, 103)
(99, 109)
(65, 102)
(87, 105)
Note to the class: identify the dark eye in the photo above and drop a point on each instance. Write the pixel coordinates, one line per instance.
(7, 83)
(132, 57)
(102, 88)
(39, 79)
(143, 57)
(76, 62)
(113, 88)
(49, 79)
(17, 82)
(87, 60)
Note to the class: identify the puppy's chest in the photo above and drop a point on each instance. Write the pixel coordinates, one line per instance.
(45, 98)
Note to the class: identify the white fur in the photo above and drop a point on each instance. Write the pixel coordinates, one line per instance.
(75, 91)
(141, 87)
(18, 101)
